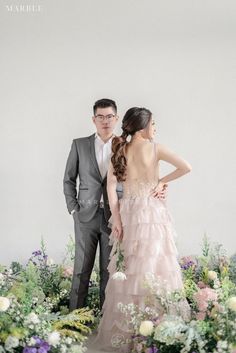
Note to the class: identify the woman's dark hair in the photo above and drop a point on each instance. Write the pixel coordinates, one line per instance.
(104, 103)
(135, 119)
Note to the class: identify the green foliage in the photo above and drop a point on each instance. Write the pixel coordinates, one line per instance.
(213, 255)
(232, 269)
(93, 299)
(120, 263)
(28, 287)
(16, 267)
(190, 288)
(75, 324)
(36, 291)
(70, 250)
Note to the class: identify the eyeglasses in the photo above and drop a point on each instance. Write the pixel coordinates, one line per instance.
(108, 117)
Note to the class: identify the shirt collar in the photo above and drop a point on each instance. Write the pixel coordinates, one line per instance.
(100, 140)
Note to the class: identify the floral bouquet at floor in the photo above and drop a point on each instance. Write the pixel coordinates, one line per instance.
(201, 318)
(34, 315)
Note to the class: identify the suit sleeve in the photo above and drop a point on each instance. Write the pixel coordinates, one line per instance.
(69, 181)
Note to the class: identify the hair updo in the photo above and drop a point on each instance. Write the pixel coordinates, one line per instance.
(135, 119)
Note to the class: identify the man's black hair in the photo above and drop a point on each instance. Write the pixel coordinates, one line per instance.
(104, 103)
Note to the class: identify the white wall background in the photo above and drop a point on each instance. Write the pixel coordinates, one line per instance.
(177, 58)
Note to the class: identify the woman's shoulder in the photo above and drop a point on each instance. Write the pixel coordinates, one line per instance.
(160, 146)
(161, 150)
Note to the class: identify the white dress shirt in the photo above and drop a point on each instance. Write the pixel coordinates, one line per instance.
(103, 156)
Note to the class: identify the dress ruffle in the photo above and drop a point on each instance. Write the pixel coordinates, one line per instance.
(149, 247)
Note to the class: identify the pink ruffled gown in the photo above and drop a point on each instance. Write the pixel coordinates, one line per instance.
(149, 247)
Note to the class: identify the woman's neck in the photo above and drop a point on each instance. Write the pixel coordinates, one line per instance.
(138, 139)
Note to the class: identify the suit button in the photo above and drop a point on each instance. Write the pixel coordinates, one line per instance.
(102, 184)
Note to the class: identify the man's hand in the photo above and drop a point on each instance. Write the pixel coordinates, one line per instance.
(160, 191)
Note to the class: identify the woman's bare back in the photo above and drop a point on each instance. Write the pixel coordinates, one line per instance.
(142, 163)
(142, 170)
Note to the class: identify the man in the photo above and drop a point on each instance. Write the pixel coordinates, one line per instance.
(88, 159)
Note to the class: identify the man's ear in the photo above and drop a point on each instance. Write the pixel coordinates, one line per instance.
(93, 118)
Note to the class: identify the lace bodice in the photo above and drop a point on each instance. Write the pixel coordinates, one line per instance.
(138, 188)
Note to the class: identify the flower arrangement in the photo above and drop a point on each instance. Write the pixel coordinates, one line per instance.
(200, 318)
(120, 265)
(34, 316)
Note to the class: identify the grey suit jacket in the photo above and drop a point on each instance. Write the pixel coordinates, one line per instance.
(82, 164)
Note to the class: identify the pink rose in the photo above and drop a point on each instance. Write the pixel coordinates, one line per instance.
(201, 284)
(67, 271)
(203, 297)
(200, 316)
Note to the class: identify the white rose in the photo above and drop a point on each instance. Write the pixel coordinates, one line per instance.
(232, 303)
(54, 338)
(120, 276)
(63, 348)
(32, 317)
(11, 342)
(49, 261)
(212, 275)
(4, 303)
(146, 328)
(68, 340)
(1, 277)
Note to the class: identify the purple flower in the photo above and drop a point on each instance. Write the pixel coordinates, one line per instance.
(37, 253)
(42, 350)
(153, 349)
(40, 346)
(28, 349)
(188, 261)
(45, 346)
(38, 340)
(187, 265)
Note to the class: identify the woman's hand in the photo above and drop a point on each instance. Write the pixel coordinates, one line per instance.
(117, 229)
(160, 191)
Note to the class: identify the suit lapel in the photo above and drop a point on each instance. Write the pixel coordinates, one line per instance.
(93, 154)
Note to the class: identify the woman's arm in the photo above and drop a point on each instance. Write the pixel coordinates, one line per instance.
(111, 192)
(182, 166)
(114, 203)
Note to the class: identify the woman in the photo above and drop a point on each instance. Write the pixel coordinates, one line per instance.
(140, 220)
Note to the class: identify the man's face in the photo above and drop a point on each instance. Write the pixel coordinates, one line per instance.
(105, 120)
